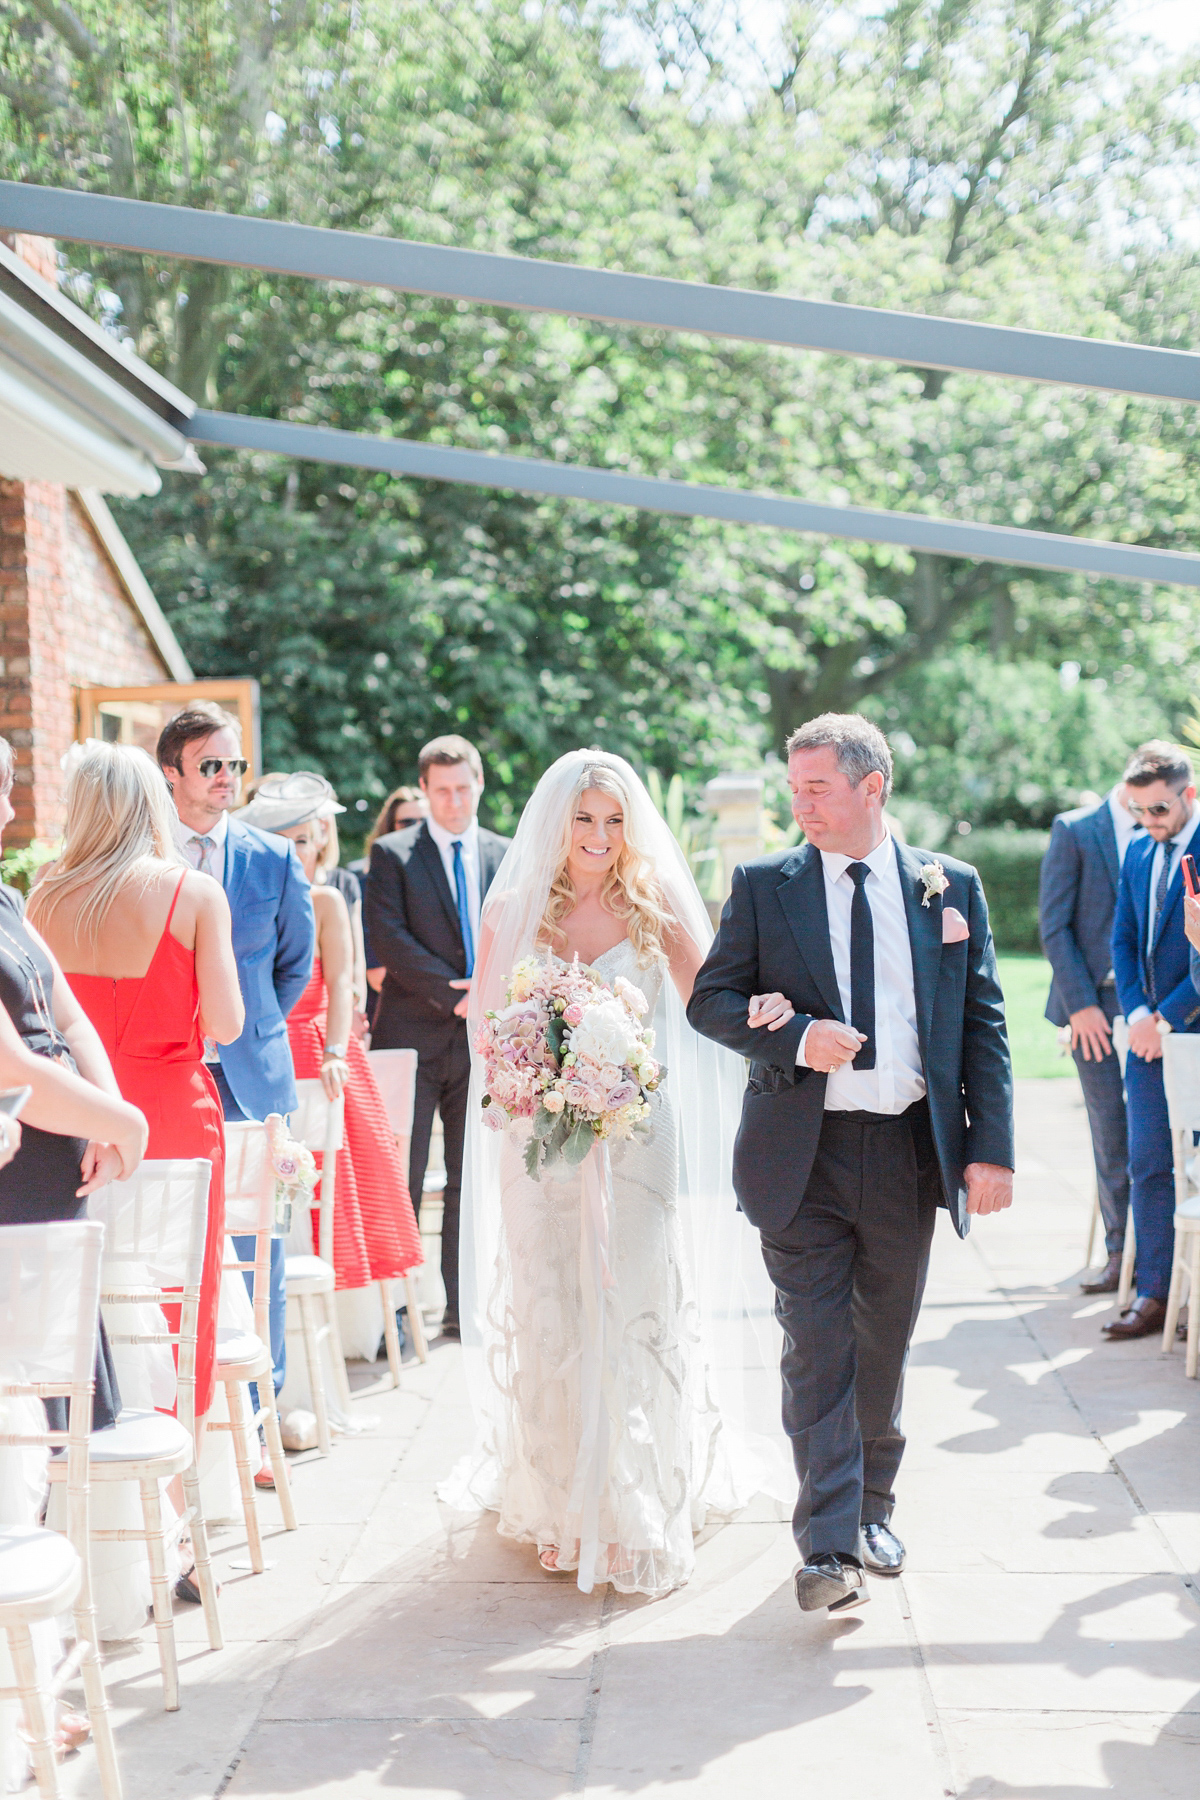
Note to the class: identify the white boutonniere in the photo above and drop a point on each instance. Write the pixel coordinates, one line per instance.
(934, 879)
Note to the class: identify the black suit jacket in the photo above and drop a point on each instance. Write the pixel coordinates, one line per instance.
(412, 923)
(1077, 898)
(774, 935)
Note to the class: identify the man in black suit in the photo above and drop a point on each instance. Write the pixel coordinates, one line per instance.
(858, 976)
(424, 896)
(1077, 898)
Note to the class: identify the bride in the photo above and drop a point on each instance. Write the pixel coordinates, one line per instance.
(610, 1312)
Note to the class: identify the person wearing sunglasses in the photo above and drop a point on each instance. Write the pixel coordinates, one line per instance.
(200, 754)
(1154, 988)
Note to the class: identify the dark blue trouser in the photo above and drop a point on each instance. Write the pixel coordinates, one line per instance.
(1151, 1175)
(849, 1272)
(1104, 1097)
(277, 1305)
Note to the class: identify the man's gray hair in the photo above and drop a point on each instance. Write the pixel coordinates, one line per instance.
(860, 746)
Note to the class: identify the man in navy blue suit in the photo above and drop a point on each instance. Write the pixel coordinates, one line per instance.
(1077, 901)
(1154, 987)
(200, 753)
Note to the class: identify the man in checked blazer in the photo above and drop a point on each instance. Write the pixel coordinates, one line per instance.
(424, 897)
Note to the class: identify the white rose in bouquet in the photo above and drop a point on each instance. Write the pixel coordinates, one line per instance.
(606, 1034)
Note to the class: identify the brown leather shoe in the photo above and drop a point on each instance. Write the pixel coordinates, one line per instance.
(1108, 1280)
(1143, 1319)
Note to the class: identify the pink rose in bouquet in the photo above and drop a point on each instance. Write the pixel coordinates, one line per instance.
(570, 1054)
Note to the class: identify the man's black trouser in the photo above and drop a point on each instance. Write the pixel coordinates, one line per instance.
(443, 1078)
(1104, 1097)
(849, 1272)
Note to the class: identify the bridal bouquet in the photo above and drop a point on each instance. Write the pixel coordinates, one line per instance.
(295, 1171)
(569, 1053)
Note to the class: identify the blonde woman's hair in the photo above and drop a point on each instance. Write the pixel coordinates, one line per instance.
(119, 815)
(330, 853)
(630, 892)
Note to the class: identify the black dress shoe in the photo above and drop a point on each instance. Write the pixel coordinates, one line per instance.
(1108, 1280)
(833, 1580)
(1143, 1319)
(449, 1329)
(882, 1551)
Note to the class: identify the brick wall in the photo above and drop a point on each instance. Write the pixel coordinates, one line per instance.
(65, 622)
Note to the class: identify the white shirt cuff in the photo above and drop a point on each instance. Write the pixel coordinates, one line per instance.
(1139, 1012)
(801, 1061)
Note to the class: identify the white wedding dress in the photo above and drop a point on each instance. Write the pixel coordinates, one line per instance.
(652, 1466)
(616, 1317)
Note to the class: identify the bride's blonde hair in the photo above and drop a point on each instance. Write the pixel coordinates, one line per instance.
(631, 891)
(119, 821)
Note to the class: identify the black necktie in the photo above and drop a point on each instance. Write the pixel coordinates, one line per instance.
(862, 967)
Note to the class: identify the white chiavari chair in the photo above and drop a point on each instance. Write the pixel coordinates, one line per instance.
(395, 1073)
(244, 1357)
(319, 1123)
(1181, 1079)
(49, 1304)
(155, 1226)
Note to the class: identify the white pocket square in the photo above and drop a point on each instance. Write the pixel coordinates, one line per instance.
(954, 926)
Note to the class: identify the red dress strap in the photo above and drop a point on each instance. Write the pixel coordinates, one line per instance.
(174, 900)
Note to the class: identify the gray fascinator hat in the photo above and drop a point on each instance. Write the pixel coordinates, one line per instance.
(291, 800)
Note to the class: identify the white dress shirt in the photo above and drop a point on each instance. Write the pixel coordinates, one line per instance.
(469, 839)
(1178, 845)
(209, 862)
(897, 1078)
(1125, 826)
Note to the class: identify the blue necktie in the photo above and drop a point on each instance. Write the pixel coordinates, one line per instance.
(464, 911)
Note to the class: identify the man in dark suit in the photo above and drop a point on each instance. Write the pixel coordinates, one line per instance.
(1077, 899)
(858, 976)
(1155, 992)
(427, 885)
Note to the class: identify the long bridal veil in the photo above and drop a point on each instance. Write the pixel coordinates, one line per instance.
(733, 1293)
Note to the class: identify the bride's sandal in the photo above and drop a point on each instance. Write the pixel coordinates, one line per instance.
(548, 1557)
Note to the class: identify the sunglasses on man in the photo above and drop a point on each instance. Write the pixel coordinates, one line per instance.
(212, 765)
(1157, 810)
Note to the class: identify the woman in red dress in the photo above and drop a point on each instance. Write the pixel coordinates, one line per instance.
(148, 943)
(375, 1235)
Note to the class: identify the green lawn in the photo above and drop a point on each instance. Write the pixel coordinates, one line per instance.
(1034, 1040)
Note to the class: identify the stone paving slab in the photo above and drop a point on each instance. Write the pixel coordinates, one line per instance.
(1044, 1642)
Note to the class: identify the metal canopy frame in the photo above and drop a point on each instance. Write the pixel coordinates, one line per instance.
(275, 247)
(693, 499)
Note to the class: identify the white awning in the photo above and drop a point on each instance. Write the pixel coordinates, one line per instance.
(63, 416)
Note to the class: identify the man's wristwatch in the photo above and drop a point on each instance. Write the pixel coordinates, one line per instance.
(338, 1050)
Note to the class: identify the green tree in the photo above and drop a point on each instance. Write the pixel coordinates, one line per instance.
(1011, 163)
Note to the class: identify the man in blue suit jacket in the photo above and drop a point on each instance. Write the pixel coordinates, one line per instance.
(200, 753)
(1154, 987)
(1077, 900)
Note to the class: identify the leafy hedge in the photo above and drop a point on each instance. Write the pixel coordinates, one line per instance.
(1008, 864)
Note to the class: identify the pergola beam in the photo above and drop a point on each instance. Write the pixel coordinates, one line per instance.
(615, 298)
(530, 475)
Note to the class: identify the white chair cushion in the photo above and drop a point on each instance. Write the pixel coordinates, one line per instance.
(1188, 1212)
(310, 1269)
(34, 1563)
(139, 1436)
(238, 1346)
